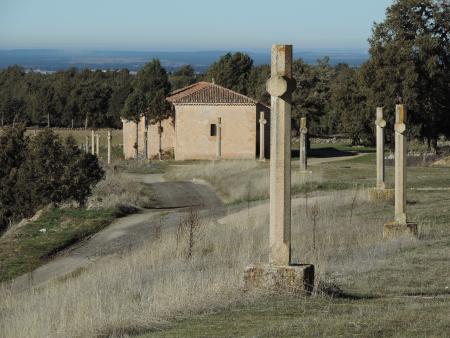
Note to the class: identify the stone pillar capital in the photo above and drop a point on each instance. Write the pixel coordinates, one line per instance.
(400, 128)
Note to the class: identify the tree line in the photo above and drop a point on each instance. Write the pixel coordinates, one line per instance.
(409, 62)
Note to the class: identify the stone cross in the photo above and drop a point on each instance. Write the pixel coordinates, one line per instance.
(98, 144)
(109, 146)
(303, 132)
(380, 125)
(280, 86)
(92, 142)
(262, 122)
(400, 164)
(219, 139)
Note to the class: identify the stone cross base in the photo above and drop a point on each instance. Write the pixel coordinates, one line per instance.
(298, 279)
(393, 230)
(378, 194)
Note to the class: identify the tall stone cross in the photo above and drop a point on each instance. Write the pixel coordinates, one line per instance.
(380, 125)
(280, 86)
(109, 146)
(92, 142)
(262, 149)
(219, 139)
(400, 226)
(98, 144)
(400, 164)
(303, 132)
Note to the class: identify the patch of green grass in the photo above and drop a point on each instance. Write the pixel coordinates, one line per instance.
(31, 246)
(321, 317)
(142, 167)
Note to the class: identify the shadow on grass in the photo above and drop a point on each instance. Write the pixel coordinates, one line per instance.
(334, 291)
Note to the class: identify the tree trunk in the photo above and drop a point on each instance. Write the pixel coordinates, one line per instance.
(434, 144)
(72, 123)
(48, 120)
(3, 116)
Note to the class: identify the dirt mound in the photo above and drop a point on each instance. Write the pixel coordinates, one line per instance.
(443, 162)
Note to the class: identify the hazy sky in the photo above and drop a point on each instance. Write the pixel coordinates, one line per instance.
(182, 25)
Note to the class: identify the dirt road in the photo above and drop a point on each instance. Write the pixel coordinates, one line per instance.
(170, 200)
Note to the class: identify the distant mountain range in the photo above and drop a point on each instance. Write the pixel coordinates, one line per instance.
(55, 59)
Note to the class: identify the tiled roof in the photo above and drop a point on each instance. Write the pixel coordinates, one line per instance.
(208, 93)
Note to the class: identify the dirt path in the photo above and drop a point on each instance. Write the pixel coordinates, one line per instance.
(170, 202)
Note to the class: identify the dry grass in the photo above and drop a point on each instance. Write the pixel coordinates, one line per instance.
(237, 181)
(118, 189)
(157, 283)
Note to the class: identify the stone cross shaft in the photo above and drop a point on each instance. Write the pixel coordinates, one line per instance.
(262, 122)
(303, 132)
(219, 139)
(380, 125)
(98, 144)
(280, 87)
(400, 164)
(86, 145)
(92, 142)
(109, 146)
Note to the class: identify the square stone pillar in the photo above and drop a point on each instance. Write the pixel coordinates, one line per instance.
(98, 145)
(92, 142)
(109, 146)
(380, 192)
(400, 226)
(219, 139)
(262, 149)
(280, 274)
(302, 148)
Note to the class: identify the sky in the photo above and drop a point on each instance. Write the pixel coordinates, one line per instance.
(187, 25)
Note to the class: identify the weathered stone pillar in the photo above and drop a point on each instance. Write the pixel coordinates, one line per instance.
(109, 146)
(400, 225)
(280, 275)
(98, 145)
(86, 145)
(219, 139)
(92, 142)
(380, 192)
(262, 126)
(380, 125)
(303, 157)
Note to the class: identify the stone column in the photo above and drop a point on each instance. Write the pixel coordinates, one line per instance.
(380, 125)
(219, 139)
(109, 146)
(400, 164)
(280, 275)
(262, 149)
(92, 142)
(98, 145)
(400, 226)
(303, 158)
(280, 87)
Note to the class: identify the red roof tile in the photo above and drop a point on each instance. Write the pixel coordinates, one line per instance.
(208, 93)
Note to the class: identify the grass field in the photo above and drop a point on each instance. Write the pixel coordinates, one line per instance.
(365, 286)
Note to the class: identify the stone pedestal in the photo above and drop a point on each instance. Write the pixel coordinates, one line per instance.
(298, 279)
(380, 194)
(393, 230)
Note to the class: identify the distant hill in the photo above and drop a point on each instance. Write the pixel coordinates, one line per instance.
(55, 59)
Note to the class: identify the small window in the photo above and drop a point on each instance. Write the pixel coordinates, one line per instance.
(213, 131)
